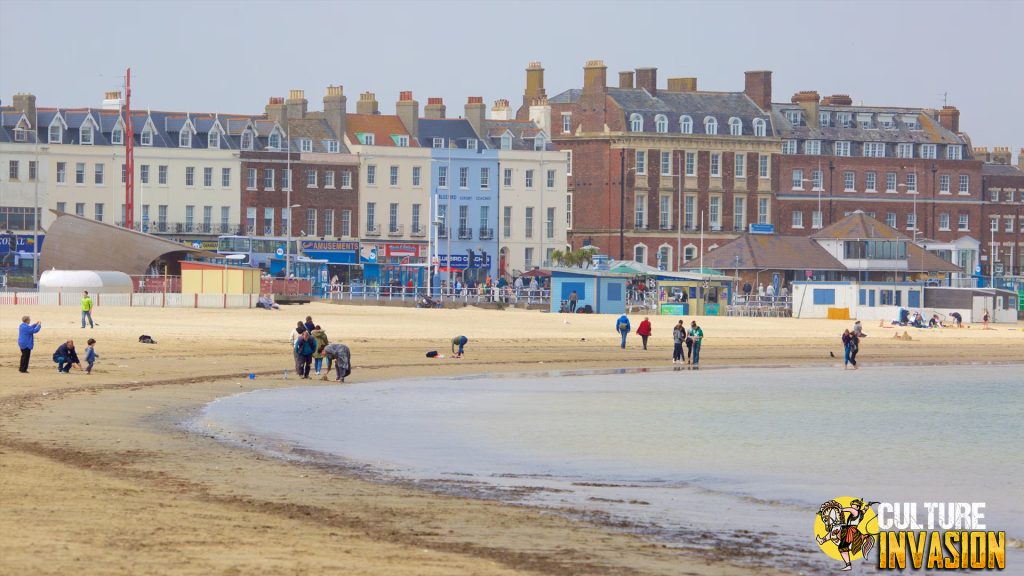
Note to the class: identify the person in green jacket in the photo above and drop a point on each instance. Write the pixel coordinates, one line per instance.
(86, 309)
(698, 335)
(321, 341)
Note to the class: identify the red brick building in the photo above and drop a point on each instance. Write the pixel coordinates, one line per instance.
(324, 176)
(1003, 214)
(651, 166)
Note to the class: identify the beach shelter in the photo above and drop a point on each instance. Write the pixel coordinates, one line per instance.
(603, 291)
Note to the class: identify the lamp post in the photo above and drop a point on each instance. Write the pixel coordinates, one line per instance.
(622, 202)
(288, 240)
(35, 218)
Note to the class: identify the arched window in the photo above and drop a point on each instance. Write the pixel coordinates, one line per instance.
(759, 127)
(685, 125)
(665, 257)
(213, 140)
(274, 141)
(710, 125)
(661, 123)
(117, 136)
(689, 253)
(640, 253)
(735, 126)
(636, 123)
(185, 138)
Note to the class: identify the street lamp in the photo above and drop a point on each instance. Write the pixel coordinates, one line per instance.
(35, 217)
(288, 240)
(622, 202)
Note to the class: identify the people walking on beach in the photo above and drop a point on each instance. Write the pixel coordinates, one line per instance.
(678, 337)
(459, 341)
(321, 341)
(697, 335)
(623, 328)
(65, 356)
(847, 345)
(90, 355)
(86, 308)
(644, 330)
(305, 347)
(689, 345)
(300, 328)
(341, 357)
(573, 298)
(309, 325)
(27, 341)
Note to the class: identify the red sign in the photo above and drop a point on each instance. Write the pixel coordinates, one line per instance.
(402, 249)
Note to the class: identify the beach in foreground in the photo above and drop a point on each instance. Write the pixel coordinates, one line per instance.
(98, 476)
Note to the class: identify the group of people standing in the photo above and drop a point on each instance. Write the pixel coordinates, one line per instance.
(851, 345)
(680, 336)
(66, 357)
(311, 346)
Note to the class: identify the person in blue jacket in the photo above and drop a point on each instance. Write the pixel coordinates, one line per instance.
(26, 341)
(66, 357)
(305, 346)
(622, 327)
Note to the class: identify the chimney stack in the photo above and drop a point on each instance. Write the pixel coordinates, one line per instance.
(682, 84)
(500, 110)
(296, 104)
(367, 104)
(335, 104)
(476, 112)
(1020, 159)
(1002, 155)
(759, 88)
(435, 109)
(595, 76)
(808, 100)
(276, 111)
(625, 79)
(112, 100)
(534, 88)
(837, 100)
(540, 114)
(647, 78)
(949, 117)
(26, 104)
(408, 111)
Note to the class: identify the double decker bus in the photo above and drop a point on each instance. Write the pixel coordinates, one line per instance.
(258, 250)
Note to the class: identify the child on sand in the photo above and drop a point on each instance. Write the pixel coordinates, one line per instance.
(459, 341)
(90, 355)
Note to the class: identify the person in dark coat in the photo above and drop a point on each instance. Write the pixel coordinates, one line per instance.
(309, 325)
(305, 346)
(66, 357)
(27, 341)
(341, 357)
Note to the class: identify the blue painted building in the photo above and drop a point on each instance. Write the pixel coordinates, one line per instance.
(604, 292)
(464, 193)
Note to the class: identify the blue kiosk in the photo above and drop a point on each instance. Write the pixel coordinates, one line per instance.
(603, 291)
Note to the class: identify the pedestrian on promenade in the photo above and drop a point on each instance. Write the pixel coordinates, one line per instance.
(459, 341)
(66, 357)
(678, 337)
(622, 326)
(340, 355)
(27, 341)
(644, 330)
(90, 355)
(697, 335)
(305, 347)
(86, 308)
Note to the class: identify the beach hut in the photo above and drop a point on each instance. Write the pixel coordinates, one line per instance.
(604, 292)
(207, 278)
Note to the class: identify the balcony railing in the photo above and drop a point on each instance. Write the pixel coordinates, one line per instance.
(396, 230)
(465, 233)
(151, 227)
(487, 233)
(418, 231)
(373, 229)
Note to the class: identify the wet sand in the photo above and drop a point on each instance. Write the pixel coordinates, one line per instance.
(97, 476)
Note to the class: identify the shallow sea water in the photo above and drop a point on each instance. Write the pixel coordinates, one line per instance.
(730, 458)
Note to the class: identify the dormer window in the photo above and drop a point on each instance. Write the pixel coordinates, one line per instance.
(87, 134)
(954, 152)
(760, 127)
(247, 140)
(365, 138)
(910, 122)
(117, 136)
(470, 143)
(794, 116)
(636, 123)
(661, 123)
(538, 142)
(20, 135)
(845, 119)
(886, 121)
(56, 135)
(437, 143)
(864, 120)
(146, 139)
(824, 119)
(685, 125)
(213, 140)
(506, 141)
(185, 138)
(735, 126)
(331, 146)
(812, 147)
(274, 141)
(305, 145)
(400, 140)
(710, 125)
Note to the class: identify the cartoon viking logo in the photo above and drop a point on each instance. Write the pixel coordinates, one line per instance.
(841, 529)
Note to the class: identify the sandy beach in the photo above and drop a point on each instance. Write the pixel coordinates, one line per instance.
(98, 477)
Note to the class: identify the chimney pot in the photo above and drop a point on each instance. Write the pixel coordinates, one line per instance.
(476, 99)
(435, 100)
(435, 108)
(408, 111)
(367, 103)
(405, 96)
(805, 96)
(476, 113)
(335, 91)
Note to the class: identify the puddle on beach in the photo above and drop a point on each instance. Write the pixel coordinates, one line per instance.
(724, 459)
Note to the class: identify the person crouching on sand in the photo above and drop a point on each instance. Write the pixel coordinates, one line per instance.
(341, 357)
(459, 341)
(66, 357)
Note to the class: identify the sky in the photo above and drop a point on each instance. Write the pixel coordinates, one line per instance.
(232, 56)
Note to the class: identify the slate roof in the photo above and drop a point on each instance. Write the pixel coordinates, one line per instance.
(930, 132)
(523, 134)
(921, 260)
(380, 125)
(453, 130)
(697, 105)
(1001, 170)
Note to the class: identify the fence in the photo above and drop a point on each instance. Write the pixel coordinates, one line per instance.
(136, 299)
(770, 306)
(506, 296)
